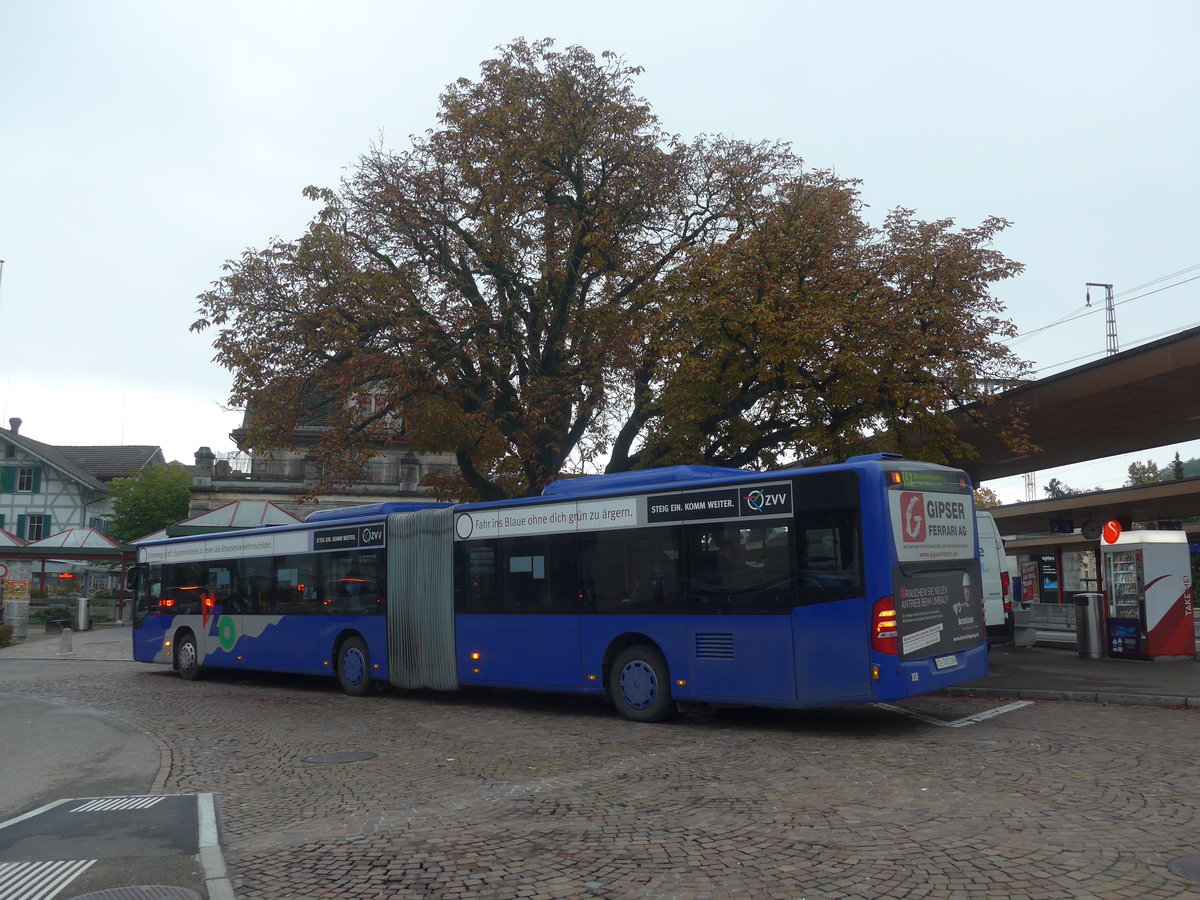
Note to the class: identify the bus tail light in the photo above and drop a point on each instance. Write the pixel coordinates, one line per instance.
(884, 637)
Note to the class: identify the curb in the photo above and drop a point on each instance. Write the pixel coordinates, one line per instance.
(1115, 699)
(212, 860)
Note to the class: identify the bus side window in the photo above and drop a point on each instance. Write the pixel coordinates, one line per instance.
(603, 570)
(828, 550)
(523, 576)
(475, 584)
(298, 591)
(630, 571)
(182, 589)
(351, 583)
(255, 583)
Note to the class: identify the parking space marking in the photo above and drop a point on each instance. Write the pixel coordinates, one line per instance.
(958, 723)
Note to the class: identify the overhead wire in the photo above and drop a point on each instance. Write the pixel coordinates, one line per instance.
(1087, 310)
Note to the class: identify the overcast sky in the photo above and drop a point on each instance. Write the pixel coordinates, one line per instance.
(144, 143)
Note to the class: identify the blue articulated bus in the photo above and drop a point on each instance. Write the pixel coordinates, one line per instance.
(656, 589)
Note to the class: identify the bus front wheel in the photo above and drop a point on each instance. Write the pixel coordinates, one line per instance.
(640, 685)
(354, 667)
(187, 657)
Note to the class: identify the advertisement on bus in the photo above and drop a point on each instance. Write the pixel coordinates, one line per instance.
(938, 611)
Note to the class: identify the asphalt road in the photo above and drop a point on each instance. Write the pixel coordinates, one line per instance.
(508, 795)
(51, 749)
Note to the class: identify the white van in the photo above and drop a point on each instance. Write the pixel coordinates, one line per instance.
(997, 583)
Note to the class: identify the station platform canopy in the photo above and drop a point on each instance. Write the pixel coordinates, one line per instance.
(1131, 401)
(73, 543)
(230, 517)
(1140, 399)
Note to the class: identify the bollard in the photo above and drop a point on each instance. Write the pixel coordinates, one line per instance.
(64, 642)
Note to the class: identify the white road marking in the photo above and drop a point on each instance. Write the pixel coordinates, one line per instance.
(958, 723)
(112, 804)
(39, 880)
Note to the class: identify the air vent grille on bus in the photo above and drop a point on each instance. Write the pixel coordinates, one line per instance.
(714, 646)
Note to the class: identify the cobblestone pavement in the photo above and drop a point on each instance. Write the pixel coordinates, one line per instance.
(506, 795)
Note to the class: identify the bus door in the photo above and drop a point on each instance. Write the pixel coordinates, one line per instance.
(739, 592)
(830, 619)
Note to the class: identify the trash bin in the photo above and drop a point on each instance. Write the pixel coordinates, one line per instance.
(16, 614)
(83, 620)
(1089, 625)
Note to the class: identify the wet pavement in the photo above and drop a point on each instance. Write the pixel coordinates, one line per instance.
(1055, 672)
(993, 792)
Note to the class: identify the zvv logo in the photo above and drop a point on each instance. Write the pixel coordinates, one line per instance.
(774, 499)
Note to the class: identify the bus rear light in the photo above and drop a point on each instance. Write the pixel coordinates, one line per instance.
(874, 672)
(884, 636)
(476, 656)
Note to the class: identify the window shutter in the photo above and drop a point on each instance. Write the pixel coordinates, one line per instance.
(21, 525)
(8, 475)
(47, 527)
(37, 480)
(1, 521)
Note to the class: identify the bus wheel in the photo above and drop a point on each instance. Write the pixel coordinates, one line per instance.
(187, 657)
(354, 667)
(640, 685)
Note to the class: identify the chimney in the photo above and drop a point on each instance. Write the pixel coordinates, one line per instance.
(15, 425)
(202, 472)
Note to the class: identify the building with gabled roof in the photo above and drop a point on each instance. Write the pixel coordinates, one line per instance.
(107, 463)
(46, 489)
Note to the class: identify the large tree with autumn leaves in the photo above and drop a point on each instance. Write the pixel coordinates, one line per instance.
(550, 281)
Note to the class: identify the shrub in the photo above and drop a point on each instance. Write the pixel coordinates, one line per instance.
(5, 635)
(51, 612)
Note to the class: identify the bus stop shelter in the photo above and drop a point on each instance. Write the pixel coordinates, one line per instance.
(19, 562)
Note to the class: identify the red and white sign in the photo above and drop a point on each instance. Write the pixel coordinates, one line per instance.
(929, 526)
(3, 571)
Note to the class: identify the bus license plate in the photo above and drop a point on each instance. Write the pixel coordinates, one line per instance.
(945, 662)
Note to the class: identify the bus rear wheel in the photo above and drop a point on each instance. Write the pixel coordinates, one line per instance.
(640, 685)
(187, 657)
(354, 667)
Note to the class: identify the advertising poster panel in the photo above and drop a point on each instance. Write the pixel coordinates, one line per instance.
(938, 609)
